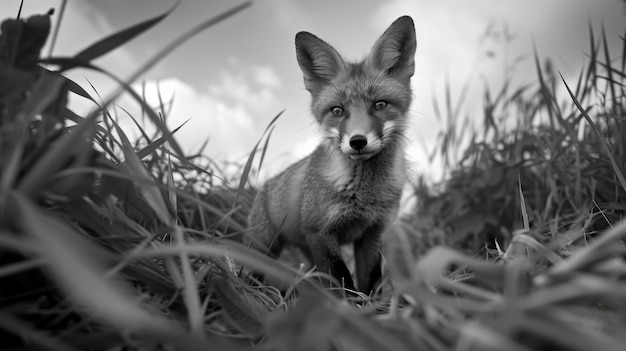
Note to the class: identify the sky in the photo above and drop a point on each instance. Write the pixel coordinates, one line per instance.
(233, 79)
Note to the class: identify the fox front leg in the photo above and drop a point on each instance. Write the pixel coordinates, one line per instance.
(327, 257)
(367, 259)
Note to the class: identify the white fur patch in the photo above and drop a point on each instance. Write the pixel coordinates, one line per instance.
(388, 127)
(337, 171)
(345, 143)
(334, 211)
(373, 142)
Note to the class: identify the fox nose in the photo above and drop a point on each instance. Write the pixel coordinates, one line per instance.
(358, 142)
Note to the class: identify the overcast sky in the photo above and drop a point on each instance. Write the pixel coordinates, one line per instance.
(234, 78)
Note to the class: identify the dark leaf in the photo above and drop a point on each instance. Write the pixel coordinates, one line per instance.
(21, 41)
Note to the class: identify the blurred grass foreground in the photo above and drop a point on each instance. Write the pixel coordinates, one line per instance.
(110, 244)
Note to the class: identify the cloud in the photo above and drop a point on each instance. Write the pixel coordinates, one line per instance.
(228, 128)
(248, 85)
(451, 34)
(265, 76)
(224, 113)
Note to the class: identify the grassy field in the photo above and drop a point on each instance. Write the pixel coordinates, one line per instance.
(111, 244)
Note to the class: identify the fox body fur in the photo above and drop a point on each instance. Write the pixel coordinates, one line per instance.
(348, 190)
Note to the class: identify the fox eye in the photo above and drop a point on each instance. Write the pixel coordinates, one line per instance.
(380, 105)
(337, 111)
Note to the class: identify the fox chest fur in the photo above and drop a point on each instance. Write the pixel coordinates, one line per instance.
(333, 194)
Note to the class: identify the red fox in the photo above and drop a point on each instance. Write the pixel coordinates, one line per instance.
(348, 190)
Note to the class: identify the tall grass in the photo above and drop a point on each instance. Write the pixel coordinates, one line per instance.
(538, 192)
(564, 155)
(108, 243)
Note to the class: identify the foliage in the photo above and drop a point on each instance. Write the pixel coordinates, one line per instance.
(559, 145)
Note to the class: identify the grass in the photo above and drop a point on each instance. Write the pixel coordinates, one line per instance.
(108, 243)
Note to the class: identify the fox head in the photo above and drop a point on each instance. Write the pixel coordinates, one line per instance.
(361, 106)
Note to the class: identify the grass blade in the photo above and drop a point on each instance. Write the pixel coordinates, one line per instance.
(609, 70)
(75, 264)
(523, 206)
(76, 144)
(601, 138)
(58, 26)
(246, 170)
(116, 40)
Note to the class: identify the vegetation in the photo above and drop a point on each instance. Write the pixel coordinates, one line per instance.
(107, 243)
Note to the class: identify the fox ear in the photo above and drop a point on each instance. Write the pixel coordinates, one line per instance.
(319, 61)
(394, 51)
